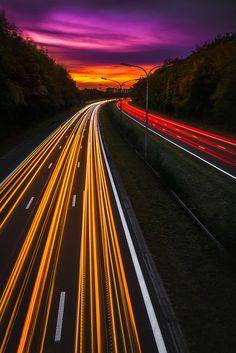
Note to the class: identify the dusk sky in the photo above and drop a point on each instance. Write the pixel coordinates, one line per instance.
(92, 37)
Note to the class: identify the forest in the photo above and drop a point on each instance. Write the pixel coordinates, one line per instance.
(200, 87)
(32, 85)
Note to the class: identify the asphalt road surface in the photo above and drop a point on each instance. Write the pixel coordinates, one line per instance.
(70, 275)
(217, 151)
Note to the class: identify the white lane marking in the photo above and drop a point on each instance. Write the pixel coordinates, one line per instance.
(201, 147)
(146, 297)
(182, 148)
(49, 165)
(29, 203)
(81, 147)
(60, 147)
(73, 200)
(194, 136)
(180, 137)
(60, 317)
(222, 147)
(78, 165)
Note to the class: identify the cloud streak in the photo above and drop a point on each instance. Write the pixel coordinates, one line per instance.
(100, 34)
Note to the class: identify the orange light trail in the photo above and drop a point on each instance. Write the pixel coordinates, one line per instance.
(106, 275)
(104, 314)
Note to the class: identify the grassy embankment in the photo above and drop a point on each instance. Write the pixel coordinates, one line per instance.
(201, 286)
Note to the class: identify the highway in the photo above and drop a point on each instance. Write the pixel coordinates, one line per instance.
(215, 150)
(71, 277)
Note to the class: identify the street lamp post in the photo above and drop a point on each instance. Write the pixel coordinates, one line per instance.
(147, 74)
(120, 84)
(123, 84)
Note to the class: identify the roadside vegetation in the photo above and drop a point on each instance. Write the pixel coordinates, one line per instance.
(33, 87)
(35, 91)
(200, 284)
(199, 88)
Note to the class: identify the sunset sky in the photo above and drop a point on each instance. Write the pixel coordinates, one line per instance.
(92, 37)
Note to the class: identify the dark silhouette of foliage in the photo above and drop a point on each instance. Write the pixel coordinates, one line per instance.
(32, 85)
(199, 87)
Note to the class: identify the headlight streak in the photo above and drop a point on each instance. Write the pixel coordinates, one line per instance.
(29, 169)
(111, 317)
(35, 160)
(61, 177)
(63, 128)
(104, 314)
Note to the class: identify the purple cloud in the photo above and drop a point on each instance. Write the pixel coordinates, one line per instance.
(105, 32)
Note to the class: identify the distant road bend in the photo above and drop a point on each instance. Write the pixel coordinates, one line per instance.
(71, 279)
(215, 150)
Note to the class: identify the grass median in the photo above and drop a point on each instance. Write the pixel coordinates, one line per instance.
(200, 285)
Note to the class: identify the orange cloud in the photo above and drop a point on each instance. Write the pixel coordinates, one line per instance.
(90, 76)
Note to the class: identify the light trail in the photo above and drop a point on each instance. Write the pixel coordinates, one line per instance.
(105, 317)
(226, 152)
(23, 177)
(108, 295)
(13, 182)
(55, 201)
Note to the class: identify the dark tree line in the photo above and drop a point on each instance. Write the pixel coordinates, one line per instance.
(200, 87)
(32, 85)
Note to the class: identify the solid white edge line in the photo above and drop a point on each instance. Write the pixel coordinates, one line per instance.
(29, 203)
(146, 297)
(73, 200)
(60, 317)
(193, 154)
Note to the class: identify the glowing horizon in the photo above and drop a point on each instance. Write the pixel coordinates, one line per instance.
(91, 39)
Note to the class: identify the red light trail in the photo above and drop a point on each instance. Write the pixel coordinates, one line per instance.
(219, 147)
